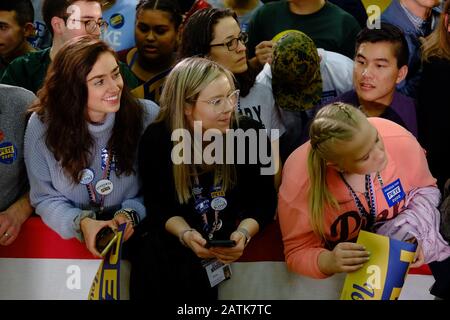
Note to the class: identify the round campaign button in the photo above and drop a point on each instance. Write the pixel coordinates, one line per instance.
(219, 203)
(104, 187)
(86, 176)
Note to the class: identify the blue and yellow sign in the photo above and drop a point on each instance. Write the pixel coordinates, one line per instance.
(106, 284)
(8, 152)
(383, 276)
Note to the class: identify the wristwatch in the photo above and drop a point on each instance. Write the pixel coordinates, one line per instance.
(130, 214)
(245, 233)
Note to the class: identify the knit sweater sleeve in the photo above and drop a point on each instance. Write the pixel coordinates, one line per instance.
(55, 209)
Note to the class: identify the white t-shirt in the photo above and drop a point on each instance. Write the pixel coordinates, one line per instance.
(259, 105)
(337, 74)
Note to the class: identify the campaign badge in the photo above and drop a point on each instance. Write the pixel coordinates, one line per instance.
(393, 192)
(104, 187)
(117, 21)
(8, 153)
(86, 176)
(218, 203)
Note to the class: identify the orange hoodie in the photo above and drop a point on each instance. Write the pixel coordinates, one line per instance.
(406, 161)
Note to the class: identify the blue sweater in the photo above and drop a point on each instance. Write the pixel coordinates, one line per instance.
(56, 198)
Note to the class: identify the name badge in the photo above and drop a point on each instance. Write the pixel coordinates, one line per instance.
(86, 176)
(8, 153)
(216, 271)
(104, 187)
(393, 192)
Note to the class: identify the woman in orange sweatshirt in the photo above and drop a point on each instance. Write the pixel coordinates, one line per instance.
(353, 173)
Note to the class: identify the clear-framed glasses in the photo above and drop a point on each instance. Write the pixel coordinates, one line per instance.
(219, 104)
(232, 44)
(92, 26)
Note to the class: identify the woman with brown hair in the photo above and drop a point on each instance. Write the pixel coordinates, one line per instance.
(80, 145)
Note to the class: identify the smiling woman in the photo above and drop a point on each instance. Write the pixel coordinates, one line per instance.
(80, 145)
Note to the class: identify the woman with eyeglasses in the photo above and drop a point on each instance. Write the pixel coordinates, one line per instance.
(81, 145)
(433, 116)
(204, 195)
(215, 34)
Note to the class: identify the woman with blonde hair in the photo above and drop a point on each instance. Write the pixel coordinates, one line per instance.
(335, 185)
(201, 213)
(433, 114)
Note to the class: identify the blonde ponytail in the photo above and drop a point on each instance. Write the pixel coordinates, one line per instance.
(334, 122)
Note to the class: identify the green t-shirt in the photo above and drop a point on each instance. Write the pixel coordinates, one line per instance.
(331, 28)
(29, 71)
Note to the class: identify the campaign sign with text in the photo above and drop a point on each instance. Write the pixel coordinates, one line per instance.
(383, 276)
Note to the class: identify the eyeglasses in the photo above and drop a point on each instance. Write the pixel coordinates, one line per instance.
(92, 26)
(219, 104)
(233, 43)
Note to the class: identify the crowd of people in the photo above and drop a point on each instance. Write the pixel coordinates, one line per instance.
(219, 118)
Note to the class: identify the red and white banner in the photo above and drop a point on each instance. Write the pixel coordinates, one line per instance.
(41, 265)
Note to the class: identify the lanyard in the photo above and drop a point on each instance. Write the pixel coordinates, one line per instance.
(99, 204)
(202, 204)
(369, 194)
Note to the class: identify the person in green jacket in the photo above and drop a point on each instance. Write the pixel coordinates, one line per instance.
(66, 19)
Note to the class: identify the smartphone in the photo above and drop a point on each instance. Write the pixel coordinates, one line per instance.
(220, 243)
(104, 240)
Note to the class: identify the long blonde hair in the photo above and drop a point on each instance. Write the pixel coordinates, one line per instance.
(182, 87)
(437, 44)
(334, 122)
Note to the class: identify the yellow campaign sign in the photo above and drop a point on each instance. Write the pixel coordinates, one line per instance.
(383, 276)
(106, 284)
(383, 4)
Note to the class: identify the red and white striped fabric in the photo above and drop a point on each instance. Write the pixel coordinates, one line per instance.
(41, 265)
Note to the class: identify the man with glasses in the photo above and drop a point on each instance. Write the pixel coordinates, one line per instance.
(66, 19)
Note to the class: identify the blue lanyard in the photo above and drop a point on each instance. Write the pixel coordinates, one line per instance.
(99, 205)
(369, 194)
(202, 205)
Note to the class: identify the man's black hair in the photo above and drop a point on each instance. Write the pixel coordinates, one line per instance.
(386, 33)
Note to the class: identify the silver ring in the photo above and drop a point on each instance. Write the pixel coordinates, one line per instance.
(6, 234)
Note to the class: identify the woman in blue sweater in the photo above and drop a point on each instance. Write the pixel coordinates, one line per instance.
(80, 145)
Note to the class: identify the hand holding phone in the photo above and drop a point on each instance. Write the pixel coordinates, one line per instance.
(220, 243)
(104, 240)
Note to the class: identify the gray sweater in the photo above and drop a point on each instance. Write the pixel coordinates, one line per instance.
(14, 102)
(56, 198)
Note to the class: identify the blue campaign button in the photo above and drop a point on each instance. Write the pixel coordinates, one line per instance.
(393, 192)
(8, 153)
